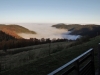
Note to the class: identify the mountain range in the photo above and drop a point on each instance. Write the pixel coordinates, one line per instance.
(90, 30)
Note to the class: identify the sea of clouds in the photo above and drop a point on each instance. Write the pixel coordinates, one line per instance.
(44, 30)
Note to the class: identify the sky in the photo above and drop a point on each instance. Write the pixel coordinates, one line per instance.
(50, 11)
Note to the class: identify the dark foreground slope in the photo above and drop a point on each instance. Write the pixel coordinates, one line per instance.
(47, 64)
(90, 30)
(4, 36)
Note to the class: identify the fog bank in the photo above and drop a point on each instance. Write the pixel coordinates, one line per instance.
(46, 31)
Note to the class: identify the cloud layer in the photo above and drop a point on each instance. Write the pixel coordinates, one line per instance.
(46, 31)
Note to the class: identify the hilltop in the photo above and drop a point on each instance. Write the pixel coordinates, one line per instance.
(90, 30)
(13, 30)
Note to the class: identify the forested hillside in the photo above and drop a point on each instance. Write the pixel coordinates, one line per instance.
(90, 30)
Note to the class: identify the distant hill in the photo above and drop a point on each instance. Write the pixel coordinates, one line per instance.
(77, 29)
(13, 30)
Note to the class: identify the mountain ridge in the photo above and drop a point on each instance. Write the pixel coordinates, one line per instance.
(90, 30)
(14, 30)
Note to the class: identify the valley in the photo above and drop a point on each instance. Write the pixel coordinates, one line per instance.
(44, 54)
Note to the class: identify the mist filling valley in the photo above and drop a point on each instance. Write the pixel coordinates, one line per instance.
(47, 31)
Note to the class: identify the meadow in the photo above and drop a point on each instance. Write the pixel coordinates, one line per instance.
(30, 54)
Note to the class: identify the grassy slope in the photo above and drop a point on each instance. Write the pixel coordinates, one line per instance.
(45, 65)
(16, 28)
(31, 53)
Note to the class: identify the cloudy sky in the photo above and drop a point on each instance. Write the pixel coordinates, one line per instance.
(50, 11)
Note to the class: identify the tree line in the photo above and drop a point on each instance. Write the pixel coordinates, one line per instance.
(17, 43)
(9, 42)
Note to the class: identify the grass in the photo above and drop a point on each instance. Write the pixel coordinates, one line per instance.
(30, 54)
(47, 64)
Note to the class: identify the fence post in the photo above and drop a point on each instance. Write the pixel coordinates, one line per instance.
(77, 67)
(49, 48)
(92, 58)
(0, 67)
(99, 59)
